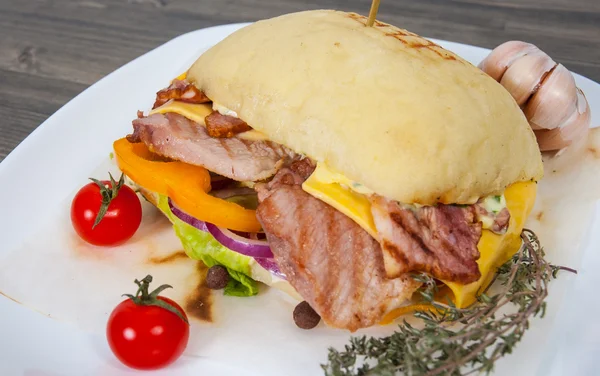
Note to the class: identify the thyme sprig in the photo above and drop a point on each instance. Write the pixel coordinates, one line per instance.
(456, 341)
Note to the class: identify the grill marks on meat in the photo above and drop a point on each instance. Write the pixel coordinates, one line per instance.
(174, 136)
(335, 265)
(224, 126)
(440, 240)
(180, 90)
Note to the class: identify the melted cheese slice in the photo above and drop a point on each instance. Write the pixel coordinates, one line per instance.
(334, 189)
(182, 76)
(197, 113)
(194, 112)
(496, 249)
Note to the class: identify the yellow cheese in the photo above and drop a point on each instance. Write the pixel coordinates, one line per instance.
(325, 186)
(334, 189)
(325, 175)
(194, 112)
(496, 249)
(197, 113)
(182, 76)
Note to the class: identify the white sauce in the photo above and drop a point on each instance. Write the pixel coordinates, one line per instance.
(224, 110)
(493, 205)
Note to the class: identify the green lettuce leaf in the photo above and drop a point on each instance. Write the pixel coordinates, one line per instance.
(200, 245)
(240, 285)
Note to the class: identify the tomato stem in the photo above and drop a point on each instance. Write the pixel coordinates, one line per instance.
(144, 298)
(107, 195)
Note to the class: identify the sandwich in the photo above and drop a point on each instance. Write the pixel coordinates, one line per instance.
(334, 161)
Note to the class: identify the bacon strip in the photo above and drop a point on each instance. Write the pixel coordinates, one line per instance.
(180, 90)
(224, 126)
(440, 240)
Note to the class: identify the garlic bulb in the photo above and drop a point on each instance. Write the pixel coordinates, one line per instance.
(556, 109)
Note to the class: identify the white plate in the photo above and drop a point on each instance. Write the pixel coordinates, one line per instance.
(39, 174)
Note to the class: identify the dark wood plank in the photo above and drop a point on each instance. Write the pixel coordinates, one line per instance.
(26, 101)
(53, 49)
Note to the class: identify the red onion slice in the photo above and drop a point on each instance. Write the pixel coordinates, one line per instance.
(271, 265)
(259, 249)
(245, 246)
(200, 225)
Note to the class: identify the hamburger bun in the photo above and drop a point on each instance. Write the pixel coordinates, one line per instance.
(384, 107)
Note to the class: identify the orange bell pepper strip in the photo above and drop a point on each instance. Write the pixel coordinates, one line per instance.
(187, 185)
(400, 311)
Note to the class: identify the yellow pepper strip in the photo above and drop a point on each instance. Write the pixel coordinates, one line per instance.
(397, 312)
(187, 185)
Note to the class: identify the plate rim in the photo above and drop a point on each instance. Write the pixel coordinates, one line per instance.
(38, 133)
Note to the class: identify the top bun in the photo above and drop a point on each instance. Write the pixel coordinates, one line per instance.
(380, 105)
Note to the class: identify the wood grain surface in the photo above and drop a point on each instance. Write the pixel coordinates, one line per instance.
(51, 50)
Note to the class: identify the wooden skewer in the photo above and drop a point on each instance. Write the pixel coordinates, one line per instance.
(373, 12)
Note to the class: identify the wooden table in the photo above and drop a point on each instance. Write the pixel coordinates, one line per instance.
(51, 50)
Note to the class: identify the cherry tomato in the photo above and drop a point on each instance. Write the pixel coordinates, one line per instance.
(147, 337)
(121, 220)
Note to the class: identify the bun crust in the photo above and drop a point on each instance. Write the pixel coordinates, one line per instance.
(383, 106)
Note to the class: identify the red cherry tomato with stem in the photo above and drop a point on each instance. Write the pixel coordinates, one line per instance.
(148, 331)
(106, 213)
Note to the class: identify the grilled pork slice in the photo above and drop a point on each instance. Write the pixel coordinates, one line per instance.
(176, 137)
(335, 265)
(295, 174)
(440, 240)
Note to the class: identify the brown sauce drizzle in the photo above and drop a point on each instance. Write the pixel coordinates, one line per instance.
(198, 304)
(179, 255)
